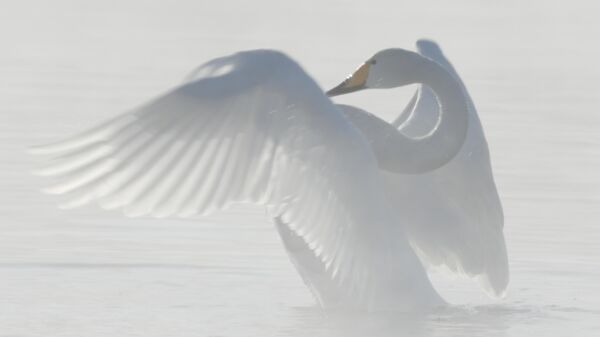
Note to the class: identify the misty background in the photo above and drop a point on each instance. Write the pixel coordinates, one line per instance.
(531, 69)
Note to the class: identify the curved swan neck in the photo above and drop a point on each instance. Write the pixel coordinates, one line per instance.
(403, 154)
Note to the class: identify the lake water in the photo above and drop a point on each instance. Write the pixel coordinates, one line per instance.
(532, 70)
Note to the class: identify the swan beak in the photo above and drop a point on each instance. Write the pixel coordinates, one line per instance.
(354, 82)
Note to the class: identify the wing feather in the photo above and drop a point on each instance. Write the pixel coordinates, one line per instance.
(243, 136)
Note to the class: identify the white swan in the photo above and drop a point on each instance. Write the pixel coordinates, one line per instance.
(453, 214)
(256, 128)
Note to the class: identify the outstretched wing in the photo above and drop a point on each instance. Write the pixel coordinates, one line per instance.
(463, 229)
(255, 129)
(469, 237)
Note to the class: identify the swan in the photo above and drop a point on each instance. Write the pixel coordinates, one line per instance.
(256, 128)
(453, 214)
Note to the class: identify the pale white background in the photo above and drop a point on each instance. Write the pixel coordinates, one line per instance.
(531, 67)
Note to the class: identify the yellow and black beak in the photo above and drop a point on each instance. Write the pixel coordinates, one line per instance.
(354, 82)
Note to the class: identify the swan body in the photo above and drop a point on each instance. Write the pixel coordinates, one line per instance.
(254, 127)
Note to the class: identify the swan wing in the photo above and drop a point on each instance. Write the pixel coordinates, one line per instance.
(255, 128)
(467, 233)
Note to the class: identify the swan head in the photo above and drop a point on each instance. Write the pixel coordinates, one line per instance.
(389, 68)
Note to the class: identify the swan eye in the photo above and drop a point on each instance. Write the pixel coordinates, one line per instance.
(373, 62)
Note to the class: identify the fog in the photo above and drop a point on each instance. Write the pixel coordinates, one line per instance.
(67, 65)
